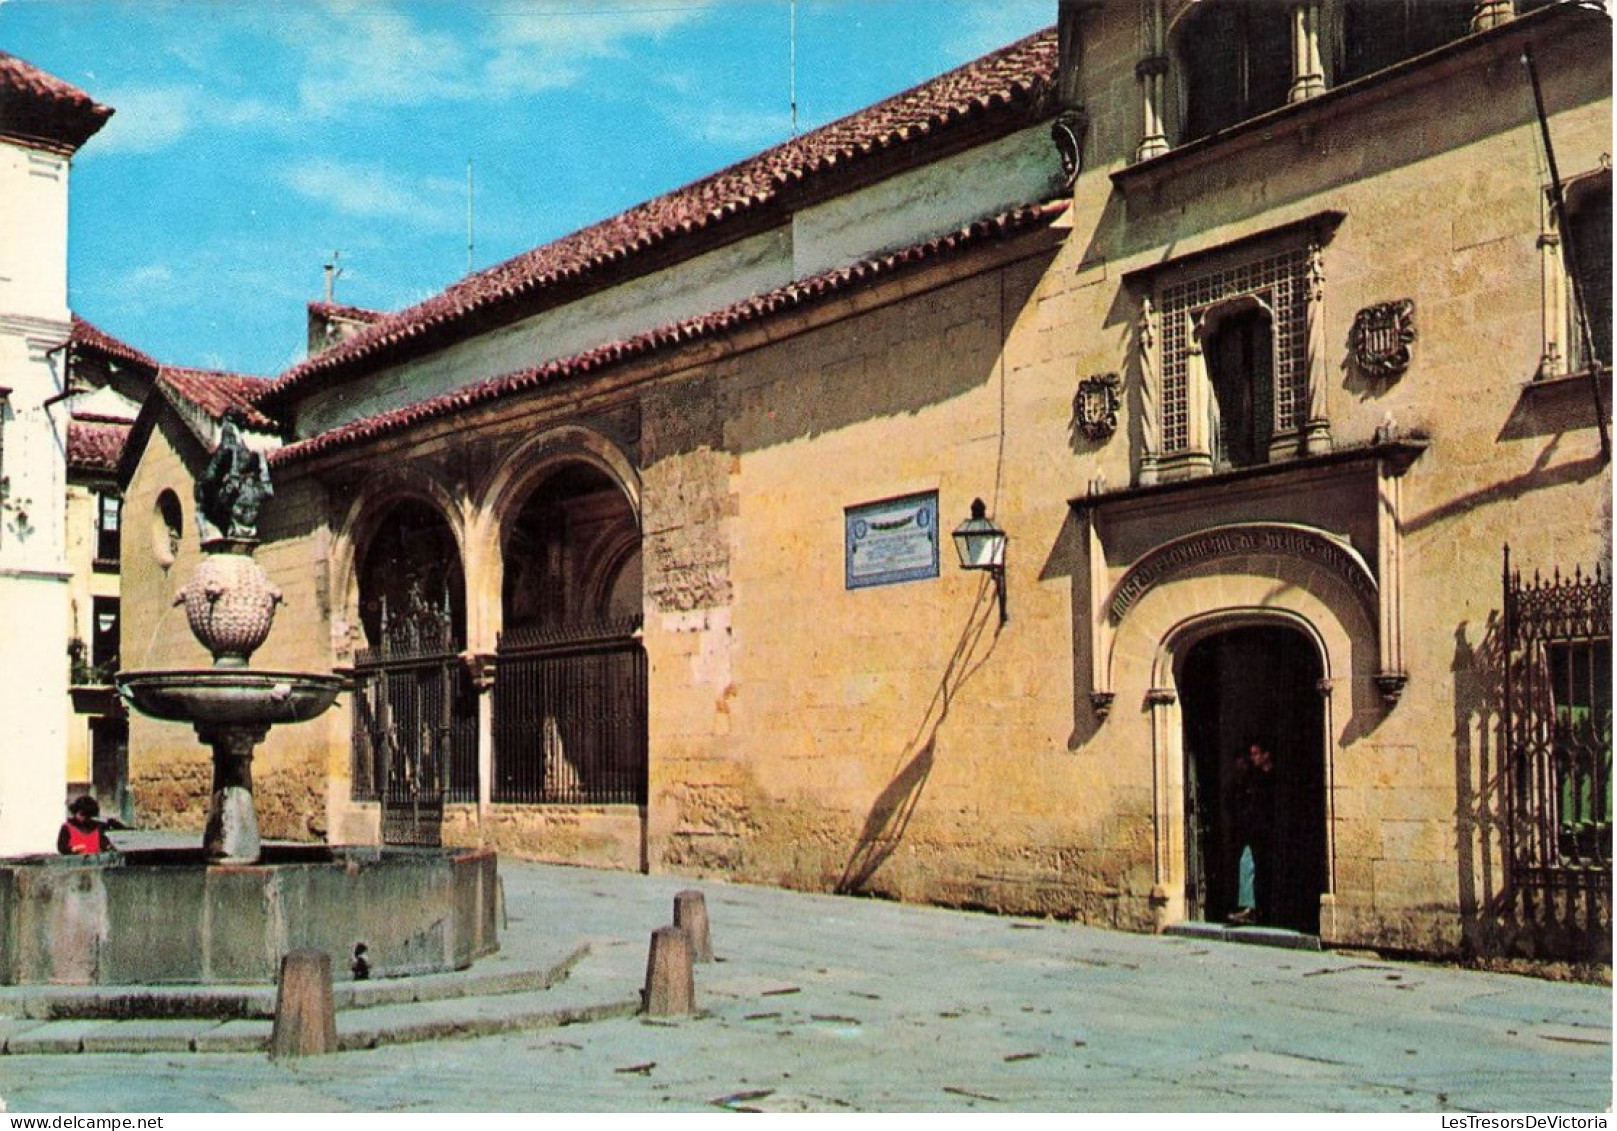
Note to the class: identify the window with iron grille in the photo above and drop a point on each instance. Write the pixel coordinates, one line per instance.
(1556, 724)
(1276, 284)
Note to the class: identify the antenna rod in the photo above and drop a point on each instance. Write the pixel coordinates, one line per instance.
(792, 63)
(470, 243)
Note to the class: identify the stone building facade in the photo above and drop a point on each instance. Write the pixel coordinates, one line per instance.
(43, 123)
(1253, 327)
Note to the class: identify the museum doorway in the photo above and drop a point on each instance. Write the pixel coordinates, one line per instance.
(1245, 687)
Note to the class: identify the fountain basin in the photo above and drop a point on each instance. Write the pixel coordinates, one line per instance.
(229, 696)
(167, 917)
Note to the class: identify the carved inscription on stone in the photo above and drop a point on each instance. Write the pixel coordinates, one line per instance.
(1230, 541)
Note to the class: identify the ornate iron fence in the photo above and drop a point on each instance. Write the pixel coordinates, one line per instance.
(1556, 725)
(570, 716)
(415, 728)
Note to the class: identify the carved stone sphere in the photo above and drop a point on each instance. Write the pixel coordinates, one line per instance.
(230, 605)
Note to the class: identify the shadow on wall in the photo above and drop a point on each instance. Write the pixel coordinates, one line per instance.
(1497, 917)
(890, 814)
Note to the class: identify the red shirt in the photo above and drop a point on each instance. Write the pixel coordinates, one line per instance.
(81, 841)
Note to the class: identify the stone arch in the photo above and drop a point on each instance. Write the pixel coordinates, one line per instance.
(1181, 606)
(375, 499)
(517, 475)
(1290, 554)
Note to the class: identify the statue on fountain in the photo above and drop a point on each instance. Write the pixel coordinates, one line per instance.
(233, 487)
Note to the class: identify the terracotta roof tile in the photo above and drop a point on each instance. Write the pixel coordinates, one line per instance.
(215, 392)
(803, 293)
(1010, 87)
(89, 336)
(355, 313)
(95, 445)
(40, 109)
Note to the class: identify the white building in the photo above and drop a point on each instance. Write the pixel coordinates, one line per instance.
(43, 122)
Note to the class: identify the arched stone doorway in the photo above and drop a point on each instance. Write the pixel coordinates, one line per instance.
(570, 682)
(415, 707)
(1239, 687)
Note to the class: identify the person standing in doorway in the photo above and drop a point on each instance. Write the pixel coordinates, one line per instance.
(1254, 826)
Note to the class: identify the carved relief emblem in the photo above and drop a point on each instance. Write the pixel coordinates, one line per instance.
(1096, 405)
(1383, 337)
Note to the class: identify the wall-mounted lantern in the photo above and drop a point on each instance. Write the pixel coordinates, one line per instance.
(981, 545)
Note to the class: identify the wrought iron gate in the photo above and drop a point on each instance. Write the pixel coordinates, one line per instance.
(570, 716)
(1557, 726)
(415, 730)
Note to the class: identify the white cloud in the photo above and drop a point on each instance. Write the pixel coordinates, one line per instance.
(150, 119)
(542, 46)
(369, 54)
(736, 127)
(145, 120)
(375, 193)
(355, 54)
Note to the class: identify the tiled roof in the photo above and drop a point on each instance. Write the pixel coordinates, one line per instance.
(40, 109)
(1004, 90)
(95, 445)
(352, 313)
(794, 296)
(89, 336)
(215, 392)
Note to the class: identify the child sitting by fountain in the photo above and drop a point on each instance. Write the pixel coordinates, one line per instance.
(84, 833)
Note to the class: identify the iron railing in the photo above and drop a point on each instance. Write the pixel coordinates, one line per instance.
(415, 729)
(570, 716)
(1556, 723)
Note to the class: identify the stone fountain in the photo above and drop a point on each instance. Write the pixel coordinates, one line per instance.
(228, 913)
(230, 606)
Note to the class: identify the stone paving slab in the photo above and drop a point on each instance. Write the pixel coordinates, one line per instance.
(1253, 936)
(171, 1035)
(13, 1026)
(824, 1003)
(234, 1036)
(60, 1003)
(52, 1037)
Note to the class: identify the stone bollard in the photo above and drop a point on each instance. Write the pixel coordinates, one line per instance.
(690, 912)
(305, 1017)
(670, 981)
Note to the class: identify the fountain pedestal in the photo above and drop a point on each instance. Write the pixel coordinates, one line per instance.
(231, 834)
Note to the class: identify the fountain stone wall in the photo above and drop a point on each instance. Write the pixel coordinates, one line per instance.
(165, 916)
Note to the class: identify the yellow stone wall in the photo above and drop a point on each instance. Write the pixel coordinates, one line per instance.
(896, 739)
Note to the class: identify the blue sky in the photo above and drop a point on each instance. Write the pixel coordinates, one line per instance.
(253, 139)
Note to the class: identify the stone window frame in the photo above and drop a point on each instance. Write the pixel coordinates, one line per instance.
(1563, 348)
(1241, 52)
(108, 527)
(1317, 58)
(1281, 271)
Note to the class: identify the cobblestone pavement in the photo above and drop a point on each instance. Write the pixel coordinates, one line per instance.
(819, 1003)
